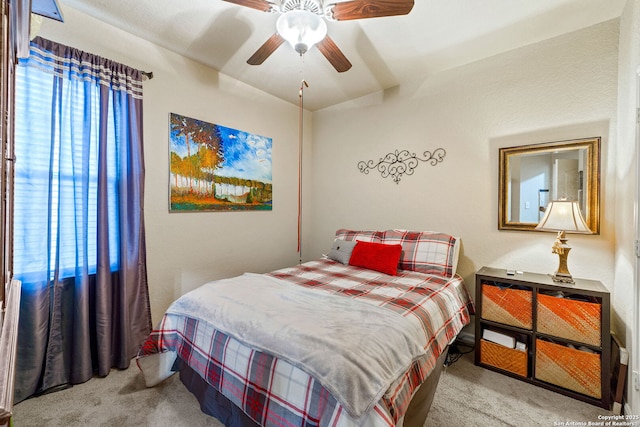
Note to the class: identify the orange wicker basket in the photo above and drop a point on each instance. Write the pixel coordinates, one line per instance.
(507, 359)
(507, 305)
(569, 368)
(570, 319)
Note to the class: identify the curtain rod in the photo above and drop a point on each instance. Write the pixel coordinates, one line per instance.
(147, 74)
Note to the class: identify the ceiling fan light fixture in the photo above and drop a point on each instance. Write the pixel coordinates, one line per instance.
(302, 29)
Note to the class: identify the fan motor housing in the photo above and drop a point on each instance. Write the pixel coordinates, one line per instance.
(313, 6)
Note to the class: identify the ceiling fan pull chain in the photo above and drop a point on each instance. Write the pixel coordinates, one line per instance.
(303, 83)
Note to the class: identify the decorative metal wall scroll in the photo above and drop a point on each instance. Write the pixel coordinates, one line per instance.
(402, 162)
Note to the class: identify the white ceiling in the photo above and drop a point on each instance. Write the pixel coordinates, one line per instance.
(435, 36)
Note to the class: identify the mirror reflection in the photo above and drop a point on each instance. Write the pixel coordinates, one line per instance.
(533, 175)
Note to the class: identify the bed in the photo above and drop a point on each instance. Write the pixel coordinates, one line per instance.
(356, 338)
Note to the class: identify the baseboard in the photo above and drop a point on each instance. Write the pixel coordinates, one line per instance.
(627, 409)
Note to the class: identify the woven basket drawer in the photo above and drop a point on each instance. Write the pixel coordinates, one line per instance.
(507, 359)
(507, 305)
(568, 368)
(570, 319)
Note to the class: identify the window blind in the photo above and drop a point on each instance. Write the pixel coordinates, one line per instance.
(56, 179)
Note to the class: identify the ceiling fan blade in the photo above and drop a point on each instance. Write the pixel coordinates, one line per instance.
(266, 50)
(262, 5)
(334, 55)
(361, 9)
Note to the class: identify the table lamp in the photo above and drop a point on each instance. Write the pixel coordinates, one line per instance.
(563, 216)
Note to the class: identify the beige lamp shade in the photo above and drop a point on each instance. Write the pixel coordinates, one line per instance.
(563, 215)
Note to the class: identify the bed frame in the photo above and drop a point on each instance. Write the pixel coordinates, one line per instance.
(215, 404)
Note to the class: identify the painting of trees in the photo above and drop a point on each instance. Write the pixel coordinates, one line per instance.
(217, 168)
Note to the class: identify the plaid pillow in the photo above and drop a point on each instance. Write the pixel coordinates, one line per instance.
(361, 235)
(425, 251)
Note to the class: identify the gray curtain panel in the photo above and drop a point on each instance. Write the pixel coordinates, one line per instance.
(79, 240)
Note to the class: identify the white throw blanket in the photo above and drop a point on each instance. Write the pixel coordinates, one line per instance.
(354, 348)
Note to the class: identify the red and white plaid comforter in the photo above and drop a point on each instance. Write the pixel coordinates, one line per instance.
(273, 392)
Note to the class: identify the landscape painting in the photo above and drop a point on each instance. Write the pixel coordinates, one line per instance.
(216, 168)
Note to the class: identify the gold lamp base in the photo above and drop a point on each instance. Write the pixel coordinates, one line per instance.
(561, 248)
(558, 277)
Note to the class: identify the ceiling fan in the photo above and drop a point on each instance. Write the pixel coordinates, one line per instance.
(301, 23)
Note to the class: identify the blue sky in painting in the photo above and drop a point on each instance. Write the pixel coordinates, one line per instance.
(246, 155)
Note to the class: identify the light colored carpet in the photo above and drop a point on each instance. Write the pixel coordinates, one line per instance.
(466, 396)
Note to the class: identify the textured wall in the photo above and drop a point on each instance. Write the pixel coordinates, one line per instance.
(562, 88)
(626, 296)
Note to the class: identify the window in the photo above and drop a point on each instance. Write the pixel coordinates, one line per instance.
(56, 177)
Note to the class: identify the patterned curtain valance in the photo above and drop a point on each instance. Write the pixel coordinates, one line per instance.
(72, 63)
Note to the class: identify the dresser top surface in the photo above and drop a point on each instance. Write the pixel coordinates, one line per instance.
(543, 279)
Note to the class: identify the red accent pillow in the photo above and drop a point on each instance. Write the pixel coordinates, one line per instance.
(376, 256)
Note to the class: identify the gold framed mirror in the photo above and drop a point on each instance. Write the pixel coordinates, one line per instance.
(530, 176)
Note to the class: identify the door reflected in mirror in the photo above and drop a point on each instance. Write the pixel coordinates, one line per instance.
(533, 175)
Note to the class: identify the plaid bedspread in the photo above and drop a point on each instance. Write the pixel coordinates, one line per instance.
(273, 392)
